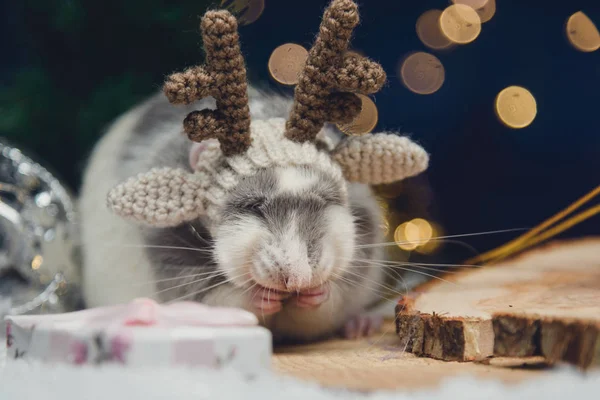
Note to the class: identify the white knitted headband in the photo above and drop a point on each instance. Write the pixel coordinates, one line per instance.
(325, 93)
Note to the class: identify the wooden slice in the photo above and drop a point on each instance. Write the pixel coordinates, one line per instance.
(543, 303)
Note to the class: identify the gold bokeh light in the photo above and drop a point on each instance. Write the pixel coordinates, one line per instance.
(424, 230)
(460, 23)
(286, 62)
(400, 236)
(432, 245)
(365, 122)
(36, 263)
(413, 234)
(582, 33)
(474, 4)
(487, 12)
(516, 107)
(429, 30)
(422, 73)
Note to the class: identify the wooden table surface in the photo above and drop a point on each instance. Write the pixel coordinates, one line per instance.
(379, 363)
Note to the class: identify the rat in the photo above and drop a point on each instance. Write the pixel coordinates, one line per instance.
(248, 210)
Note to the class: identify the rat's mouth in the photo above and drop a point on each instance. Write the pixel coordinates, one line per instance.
(285, 283)
(284, 286)
(269, 301)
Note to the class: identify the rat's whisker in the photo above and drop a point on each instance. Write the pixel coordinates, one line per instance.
(182, 239)
(179, 277)
(198, 236)
(425, 241)
(421, 267)
(401, 279)
(346, 279)
(205, 289)
(425, 268)
(395, 275)
(438, 238)
(374, 264)
(198, 281)
(425, 274)
(150, 246)
(375, 282)
(392, 262)
(357, 284)
(461, 243)
(190, 267)
(246, 282)
(250, 287)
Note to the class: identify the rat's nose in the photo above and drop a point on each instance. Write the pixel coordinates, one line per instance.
(295, 277)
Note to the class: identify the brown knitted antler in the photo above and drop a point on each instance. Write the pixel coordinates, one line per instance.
(328, 73)
(224, 78)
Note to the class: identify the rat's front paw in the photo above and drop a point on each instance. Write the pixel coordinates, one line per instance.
(362, 326)
(313, 297)
(267, 301)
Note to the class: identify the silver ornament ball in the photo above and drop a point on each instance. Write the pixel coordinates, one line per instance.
(40, 265)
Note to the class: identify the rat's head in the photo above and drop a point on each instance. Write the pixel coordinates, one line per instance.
(272, 193)
(291, 228)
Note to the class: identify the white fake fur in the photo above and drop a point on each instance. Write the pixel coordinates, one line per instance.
(61, 382)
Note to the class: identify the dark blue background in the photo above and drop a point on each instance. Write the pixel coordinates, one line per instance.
(483, 176)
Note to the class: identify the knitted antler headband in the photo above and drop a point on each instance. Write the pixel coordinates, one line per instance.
(325, 93)
(224, 78)
(321, 95)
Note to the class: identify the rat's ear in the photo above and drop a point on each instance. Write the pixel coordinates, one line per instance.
(162, 197)
(380, 158)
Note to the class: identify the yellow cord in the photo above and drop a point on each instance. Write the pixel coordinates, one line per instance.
(563, 226)
(523, 241)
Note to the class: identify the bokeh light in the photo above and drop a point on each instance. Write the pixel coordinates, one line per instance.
(413, 234)
(516, 107)
(286, 63)
(582, 33)
(365, 122)
(474, 4)
(37, 261)
(400, 236)
(429, 30)
(246, 11)
(487, 12)
(425, 231)
(432, 245)
(460, 23)
(422, 73)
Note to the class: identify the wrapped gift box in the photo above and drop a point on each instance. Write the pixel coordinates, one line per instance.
(143, 333)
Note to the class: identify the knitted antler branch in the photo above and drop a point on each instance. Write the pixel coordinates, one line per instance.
(224, 78)
(328, 73)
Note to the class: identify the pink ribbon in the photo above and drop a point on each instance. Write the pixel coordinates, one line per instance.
(144, 312)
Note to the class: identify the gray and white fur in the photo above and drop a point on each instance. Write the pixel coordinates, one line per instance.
(285, 228)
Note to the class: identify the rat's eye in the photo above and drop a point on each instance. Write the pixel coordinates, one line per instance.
(254, 206)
